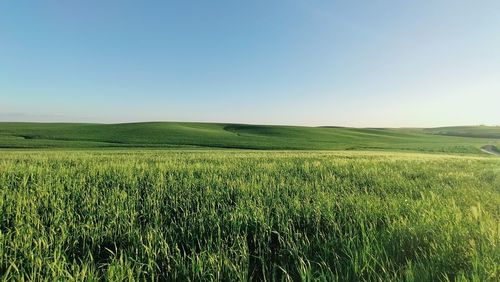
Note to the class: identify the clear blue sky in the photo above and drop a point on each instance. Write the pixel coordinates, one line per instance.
(352, 63)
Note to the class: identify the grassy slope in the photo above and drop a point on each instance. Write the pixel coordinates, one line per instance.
(468, 131)
(163, 134)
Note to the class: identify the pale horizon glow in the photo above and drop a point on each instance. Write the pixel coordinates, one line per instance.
(315, 63)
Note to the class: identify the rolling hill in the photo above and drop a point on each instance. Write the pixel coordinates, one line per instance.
(481, 131)
(238, 136)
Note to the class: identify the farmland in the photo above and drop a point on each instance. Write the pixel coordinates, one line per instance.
(468, 131)
(240, 136)
(204, 215)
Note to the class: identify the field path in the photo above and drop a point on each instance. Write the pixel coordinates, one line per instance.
(490, 149)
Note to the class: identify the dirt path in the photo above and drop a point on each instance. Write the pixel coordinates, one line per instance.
(490, 149)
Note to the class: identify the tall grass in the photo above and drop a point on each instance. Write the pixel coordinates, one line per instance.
(226, 215)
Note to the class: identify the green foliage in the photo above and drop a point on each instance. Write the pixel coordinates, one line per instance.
(195, 135)
(232, 215)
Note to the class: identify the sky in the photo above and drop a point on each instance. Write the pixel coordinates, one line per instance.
(415, 63)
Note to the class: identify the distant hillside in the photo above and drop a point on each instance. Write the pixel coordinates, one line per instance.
(481, 131)
(238, 136)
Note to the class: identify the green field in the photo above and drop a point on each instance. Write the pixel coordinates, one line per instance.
(190, 202)
(468, 131)
(213, 135)
(241, 215)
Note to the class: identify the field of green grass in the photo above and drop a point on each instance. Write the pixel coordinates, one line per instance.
(236, 136)
(298, 211)
(481, 131)
(242, 215)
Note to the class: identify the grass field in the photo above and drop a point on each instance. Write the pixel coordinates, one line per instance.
(212, 135)
(84, 212)
(468, 131)
(242, 215)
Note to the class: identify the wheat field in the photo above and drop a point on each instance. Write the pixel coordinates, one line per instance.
(243, 215)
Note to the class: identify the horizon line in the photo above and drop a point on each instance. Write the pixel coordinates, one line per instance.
(252, 124)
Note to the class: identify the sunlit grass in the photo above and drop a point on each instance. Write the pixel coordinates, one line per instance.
(229, 215)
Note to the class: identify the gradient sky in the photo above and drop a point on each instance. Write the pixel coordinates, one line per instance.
(351, 63)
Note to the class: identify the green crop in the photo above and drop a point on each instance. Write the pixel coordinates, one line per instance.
(232, 215)
(239, 136)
